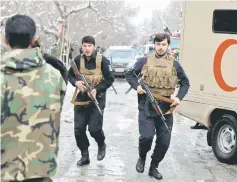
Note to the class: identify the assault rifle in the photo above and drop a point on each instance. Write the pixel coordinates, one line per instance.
(153, 101)
(131, 87)
(88, 87)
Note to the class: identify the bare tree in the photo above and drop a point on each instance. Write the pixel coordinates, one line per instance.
(170, 17)
(68, 21)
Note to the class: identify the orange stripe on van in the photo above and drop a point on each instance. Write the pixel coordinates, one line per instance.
(217, 65)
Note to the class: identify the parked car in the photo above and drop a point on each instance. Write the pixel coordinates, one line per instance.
(122, 59)
(139, 50)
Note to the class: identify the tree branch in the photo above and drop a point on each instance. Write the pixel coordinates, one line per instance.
(58, 6)
(77, 9)
(4, 4)
(39, 14)
(98, 33)
(3, 18)
(46, 30)
(98, 3)
(99, 15)
(119, 27)
(2, 8)
(53, 25)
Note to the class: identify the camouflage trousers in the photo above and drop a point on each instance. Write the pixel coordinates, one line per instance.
(36, 180)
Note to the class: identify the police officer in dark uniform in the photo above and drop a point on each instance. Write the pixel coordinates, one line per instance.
(162, 74)
(98, 72)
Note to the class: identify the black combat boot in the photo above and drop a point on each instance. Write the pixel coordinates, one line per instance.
(84, 158)
(153, 172)
(140, 164)
(101, 152)
(198, 126)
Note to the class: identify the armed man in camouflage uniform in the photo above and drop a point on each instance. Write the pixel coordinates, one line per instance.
(161, 73)
(32, 94)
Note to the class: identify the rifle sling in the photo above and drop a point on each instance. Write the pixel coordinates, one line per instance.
(162, 98)
(81, 103)
(165, 99)
(78, 103)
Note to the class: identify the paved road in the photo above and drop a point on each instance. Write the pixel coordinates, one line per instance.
(188, 159)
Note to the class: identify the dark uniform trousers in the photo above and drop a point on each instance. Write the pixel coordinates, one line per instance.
(148, 127)
(89, 115)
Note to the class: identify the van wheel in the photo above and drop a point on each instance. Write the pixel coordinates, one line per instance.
(224, 142)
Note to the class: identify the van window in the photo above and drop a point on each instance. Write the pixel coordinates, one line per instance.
(224, 21)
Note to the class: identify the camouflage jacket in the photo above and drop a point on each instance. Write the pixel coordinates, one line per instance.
(32, 94)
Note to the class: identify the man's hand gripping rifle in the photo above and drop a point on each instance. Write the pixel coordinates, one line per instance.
(153, 101)
(88, 87)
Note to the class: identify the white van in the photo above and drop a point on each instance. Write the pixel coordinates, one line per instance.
(209, 57)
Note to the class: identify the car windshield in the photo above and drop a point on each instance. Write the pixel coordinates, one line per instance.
(119, 53)
(138, 49)
(122, 54)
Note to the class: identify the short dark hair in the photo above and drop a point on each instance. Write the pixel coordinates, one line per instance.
(162, 36)
(88, 40)
(20, 30)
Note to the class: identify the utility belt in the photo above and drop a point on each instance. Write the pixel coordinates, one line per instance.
(160, 99)
(83, 103)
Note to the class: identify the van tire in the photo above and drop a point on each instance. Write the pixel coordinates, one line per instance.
(225, 126)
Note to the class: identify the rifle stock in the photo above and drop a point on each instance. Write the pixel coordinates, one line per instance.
(131, 87)
(114, 90)
(128, 90)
